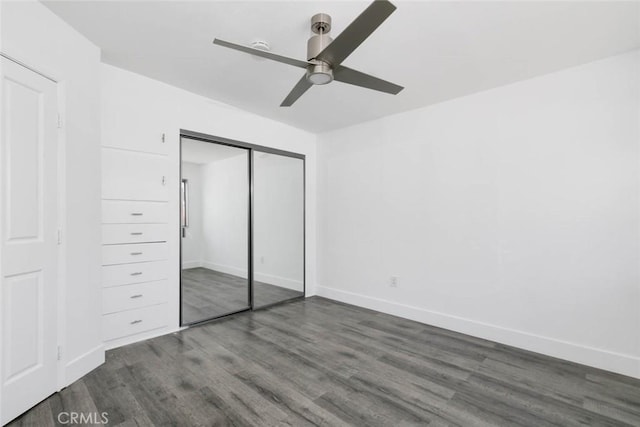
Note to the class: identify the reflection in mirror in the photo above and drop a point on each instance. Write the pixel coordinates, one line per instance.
(214, 220)
(278, 228)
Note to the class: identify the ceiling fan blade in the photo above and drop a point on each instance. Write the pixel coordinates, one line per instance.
(301, 87)
(353, 77)
(361, 28)
(262, 53)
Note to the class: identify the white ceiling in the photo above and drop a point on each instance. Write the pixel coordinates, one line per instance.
(437, 50)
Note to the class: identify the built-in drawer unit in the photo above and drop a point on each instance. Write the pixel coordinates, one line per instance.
(134, 212)
(135, 234)
(113, 234)
(129, 175)
(130, 322)
(137, 252)
(126, 274)
(120, 298)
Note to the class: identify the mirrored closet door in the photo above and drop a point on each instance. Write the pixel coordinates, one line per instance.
(242, 227)
(214, 230)
(278, 228)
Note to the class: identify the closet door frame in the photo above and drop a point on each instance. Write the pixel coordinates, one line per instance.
(60, 212)
(251, 149)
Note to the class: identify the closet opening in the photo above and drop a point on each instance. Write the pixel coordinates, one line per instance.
(242, 227)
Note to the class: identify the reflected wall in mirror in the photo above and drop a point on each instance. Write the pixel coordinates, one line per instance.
(215, 230)
(278, 228)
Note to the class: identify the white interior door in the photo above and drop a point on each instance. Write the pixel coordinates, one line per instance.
(28, 234)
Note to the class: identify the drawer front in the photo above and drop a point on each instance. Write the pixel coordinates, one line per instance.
(128, 175)
(130, 212)
(128, 297)
(133, 233)
(126, 274)
(139, 252)
(130, 322)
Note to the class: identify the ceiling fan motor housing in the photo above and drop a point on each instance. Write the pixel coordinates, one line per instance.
(321, 26)
(316, 44)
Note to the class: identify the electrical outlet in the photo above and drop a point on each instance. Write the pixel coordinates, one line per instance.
(393, 282)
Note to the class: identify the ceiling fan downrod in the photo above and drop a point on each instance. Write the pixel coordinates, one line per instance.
(319, 73)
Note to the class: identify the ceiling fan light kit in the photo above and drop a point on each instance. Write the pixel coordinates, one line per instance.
(320, 74)
(325, 55)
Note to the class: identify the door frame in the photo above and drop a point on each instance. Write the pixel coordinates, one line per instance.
(251, 149)
(61, 209)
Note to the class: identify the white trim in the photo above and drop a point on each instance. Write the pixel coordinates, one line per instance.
(143, 336)
(62, 247)
(191, 264)
(83, 364)
(615, 362)
(28, 67)
(1, 207)
(283, 282)
(229, 269)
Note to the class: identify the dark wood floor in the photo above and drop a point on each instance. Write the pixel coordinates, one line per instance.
(208, 293)
(318, 362)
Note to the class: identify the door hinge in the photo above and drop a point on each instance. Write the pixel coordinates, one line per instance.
(59, 239)
(59, 121)
(59, 353)
(163, 137)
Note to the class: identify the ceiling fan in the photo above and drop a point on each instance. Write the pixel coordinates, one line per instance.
(325, 55)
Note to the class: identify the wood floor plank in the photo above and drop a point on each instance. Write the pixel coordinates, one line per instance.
(319, 362)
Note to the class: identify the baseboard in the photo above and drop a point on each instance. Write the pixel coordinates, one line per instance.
(143, 336)
(283, 282)
(83, 364)
(191, 264)
(229, 269)
(598, 358)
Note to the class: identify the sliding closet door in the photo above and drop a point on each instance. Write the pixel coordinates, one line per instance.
(278, 228)
(215, 230)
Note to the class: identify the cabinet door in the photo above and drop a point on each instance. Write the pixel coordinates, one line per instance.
(128, 175)
(123, 126)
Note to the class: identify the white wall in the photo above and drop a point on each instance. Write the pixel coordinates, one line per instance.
(225, 211)
(192, 242)
(135, 104)
(511, 214)
(35, 36)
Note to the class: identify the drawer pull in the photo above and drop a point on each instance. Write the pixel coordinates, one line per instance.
(136, 321)
(136, 273)
(136, 214)
(136, 296)
(136, 253)
(137, 233)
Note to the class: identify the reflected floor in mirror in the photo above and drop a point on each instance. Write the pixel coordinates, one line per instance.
(208, 293)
